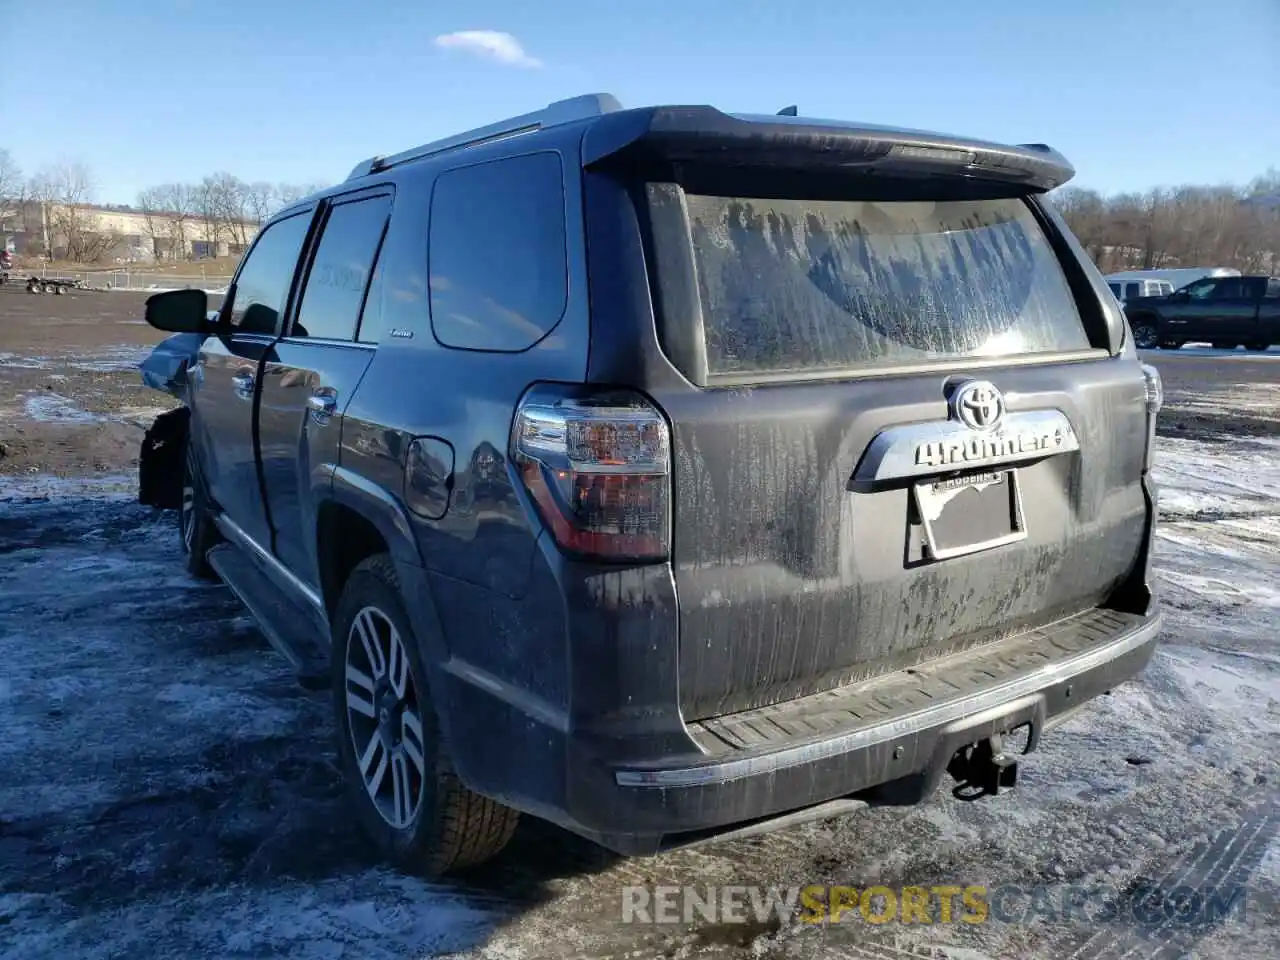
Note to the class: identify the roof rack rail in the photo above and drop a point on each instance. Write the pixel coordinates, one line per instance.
(561, 111)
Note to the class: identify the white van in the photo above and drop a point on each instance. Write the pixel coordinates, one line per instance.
(1133, 289)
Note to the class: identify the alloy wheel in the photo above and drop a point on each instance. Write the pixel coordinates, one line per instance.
(1144, 336)
(384, 716)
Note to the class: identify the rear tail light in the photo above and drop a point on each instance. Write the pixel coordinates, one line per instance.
(1155, 400)
(599, 471)
(1155, 389)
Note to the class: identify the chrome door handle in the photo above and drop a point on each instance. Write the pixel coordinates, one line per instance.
(323, 404)
(242, 383)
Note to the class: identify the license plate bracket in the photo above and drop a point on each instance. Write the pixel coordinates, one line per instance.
(967, 514)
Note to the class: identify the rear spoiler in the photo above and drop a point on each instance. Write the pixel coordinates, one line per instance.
(705, 134)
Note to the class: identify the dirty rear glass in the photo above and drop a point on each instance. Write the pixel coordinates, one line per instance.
(804, 285)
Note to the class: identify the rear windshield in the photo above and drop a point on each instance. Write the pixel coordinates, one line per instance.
(801, 285)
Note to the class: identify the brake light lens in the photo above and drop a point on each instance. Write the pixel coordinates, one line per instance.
(1155, 389)
(1155, 400)
(599, 471)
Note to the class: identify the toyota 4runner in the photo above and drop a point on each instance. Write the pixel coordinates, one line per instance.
(670, 474)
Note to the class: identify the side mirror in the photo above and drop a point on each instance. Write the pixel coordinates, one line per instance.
(179, 311)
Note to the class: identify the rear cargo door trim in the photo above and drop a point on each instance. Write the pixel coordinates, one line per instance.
(921, 449)
(900, 727)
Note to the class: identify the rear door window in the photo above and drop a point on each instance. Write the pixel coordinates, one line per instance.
(810, 285)
(1132, 291)
(339, 274)
(1233, 288)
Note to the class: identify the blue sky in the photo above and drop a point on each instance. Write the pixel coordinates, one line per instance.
(1137, 93)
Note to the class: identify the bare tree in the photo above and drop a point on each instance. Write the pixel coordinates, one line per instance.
(151, 206)
(68, 225)
(230, 198)
(1188, 226)
(12, 188)
(260, 201)
(177, 202)
(211, 204)
(287, 193)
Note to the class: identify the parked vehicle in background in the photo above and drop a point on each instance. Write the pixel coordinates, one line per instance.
(1133, 289)
(615, 466)
(1227, 312)
(6, 265)
(56, 285)
(1177, 276)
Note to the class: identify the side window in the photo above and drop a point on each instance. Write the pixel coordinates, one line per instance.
(339, 274)
(1233, 288)
(1273, 289)
(264, 280)
(1201, 289)
(1115, 289)
(497, 273)
(1132, 291)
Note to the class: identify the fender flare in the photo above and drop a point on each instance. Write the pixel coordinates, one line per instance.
(375, 504)
(334, 484)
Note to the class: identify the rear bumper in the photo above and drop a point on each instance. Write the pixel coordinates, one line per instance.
(902, 730)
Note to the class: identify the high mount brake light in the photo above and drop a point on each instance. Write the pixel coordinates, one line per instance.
(599, 471)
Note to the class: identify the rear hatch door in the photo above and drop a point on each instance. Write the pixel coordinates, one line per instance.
(900, 427)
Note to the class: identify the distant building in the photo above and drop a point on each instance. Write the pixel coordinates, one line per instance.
(87, 232)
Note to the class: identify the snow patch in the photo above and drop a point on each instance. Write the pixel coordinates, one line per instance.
(1196, 477)
(55, 408)
(109, 360)
(23, 363)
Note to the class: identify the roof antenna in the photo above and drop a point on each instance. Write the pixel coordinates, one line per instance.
(790, 111)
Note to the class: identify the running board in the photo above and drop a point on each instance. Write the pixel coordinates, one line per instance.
(277, 617)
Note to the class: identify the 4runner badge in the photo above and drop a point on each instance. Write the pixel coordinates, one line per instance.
(979, 432)
(984, 448)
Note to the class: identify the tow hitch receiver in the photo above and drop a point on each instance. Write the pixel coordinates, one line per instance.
(983, 769)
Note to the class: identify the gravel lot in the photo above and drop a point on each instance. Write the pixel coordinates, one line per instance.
(168, 790)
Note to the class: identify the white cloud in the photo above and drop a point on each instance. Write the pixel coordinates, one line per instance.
(493, 44)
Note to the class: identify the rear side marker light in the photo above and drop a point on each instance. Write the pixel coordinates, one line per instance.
(599, 471)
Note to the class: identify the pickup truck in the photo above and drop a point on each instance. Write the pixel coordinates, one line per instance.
(1225, 311)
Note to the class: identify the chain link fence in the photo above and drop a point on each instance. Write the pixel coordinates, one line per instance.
(130, 279)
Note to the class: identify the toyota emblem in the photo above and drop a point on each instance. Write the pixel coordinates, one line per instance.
(978, 405)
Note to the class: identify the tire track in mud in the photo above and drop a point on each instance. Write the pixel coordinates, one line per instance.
(1195, 893)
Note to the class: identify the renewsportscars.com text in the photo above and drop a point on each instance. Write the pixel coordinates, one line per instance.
(970, 904)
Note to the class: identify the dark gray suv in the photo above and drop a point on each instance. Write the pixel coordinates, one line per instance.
(670, 474)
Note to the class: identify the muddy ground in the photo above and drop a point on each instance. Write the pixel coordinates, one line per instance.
(71, 400)
(166, 788)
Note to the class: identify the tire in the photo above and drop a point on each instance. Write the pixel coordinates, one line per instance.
(436, 825)
(59, 290)
(1258, 346)
(197, 533)
(1145, 335)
